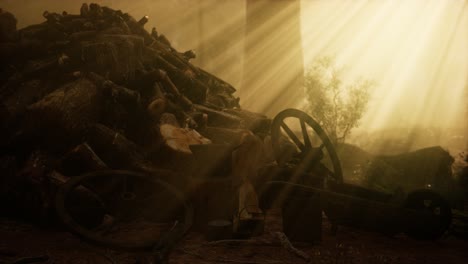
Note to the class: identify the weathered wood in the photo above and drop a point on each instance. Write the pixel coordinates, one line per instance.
(184, 101)
(118, 56)
(143, 20)
(220, 135)
(170, 119)
(59, 120)
(75, 104)
(179, 139)
(193, 88)
(100, 78)
(80, 160)
(219, 118)
(216, 82)
(156, 108)
(83, 35)
(174, 57)
(116, 150)
(25, 94)
(137, 28)
(255, 122)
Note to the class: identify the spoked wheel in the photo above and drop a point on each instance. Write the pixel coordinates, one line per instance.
(438, 217)
(308, 151)
(123, 209)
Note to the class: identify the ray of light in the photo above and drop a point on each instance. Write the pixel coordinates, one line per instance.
(410, 48)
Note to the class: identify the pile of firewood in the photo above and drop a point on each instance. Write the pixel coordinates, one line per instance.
(81, 92)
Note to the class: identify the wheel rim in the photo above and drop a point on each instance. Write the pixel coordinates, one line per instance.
(135, 209)
(306, 151)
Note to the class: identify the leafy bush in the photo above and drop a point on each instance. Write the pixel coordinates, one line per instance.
(338, 107)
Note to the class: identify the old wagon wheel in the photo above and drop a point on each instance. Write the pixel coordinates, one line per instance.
(438, 210)
(305, 155)
(123, 209)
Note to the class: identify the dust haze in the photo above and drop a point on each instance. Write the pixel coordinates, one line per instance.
(414, 50)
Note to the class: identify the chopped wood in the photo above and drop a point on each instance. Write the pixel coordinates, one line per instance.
(219, 118)
(80, 160)
(98, 90)
(179, 139)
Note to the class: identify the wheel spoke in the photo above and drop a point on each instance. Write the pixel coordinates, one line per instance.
(279, 129)
(293, 137)
(305, 135)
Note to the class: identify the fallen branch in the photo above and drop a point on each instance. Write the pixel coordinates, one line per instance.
(290, 248)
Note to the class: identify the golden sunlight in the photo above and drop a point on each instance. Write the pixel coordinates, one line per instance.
(416, 51)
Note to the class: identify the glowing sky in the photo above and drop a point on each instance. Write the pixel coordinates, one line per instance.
(416, 50)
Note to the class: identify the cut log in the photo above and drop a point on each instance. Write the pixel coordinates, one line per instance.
(174, 57)
(156, 108)
(100, 78)
(114, 148)
(119, 94)
(218, 118)
(169, 119)
(221, 135)
(255, 122)
(83, 35)
(76, 103)
(60, 118)
(117, 56)
(170, 87)
(80, 160)
(217, 83)
(179, 139)
(121, 107)
(25, 94)
(138, 29)
(193, 88)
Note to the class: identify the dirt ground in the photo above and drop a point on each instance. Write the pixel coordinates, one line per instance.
(19, 240)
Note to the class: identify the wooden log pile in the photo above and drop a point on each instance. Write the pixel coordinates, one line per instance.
(95, 90)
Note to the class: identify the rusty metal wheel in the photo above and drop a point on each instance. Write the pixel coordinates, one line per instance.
(307, 151)
(123, 209)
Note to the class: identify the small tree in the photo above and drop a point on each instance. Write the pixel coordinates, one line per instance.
(336, 106)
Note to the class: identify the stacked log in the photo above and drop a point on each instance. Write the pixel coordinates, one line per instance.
(96, 90)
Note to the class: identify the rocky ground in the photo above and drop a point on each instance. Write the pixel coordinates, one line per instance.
(19, 240)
